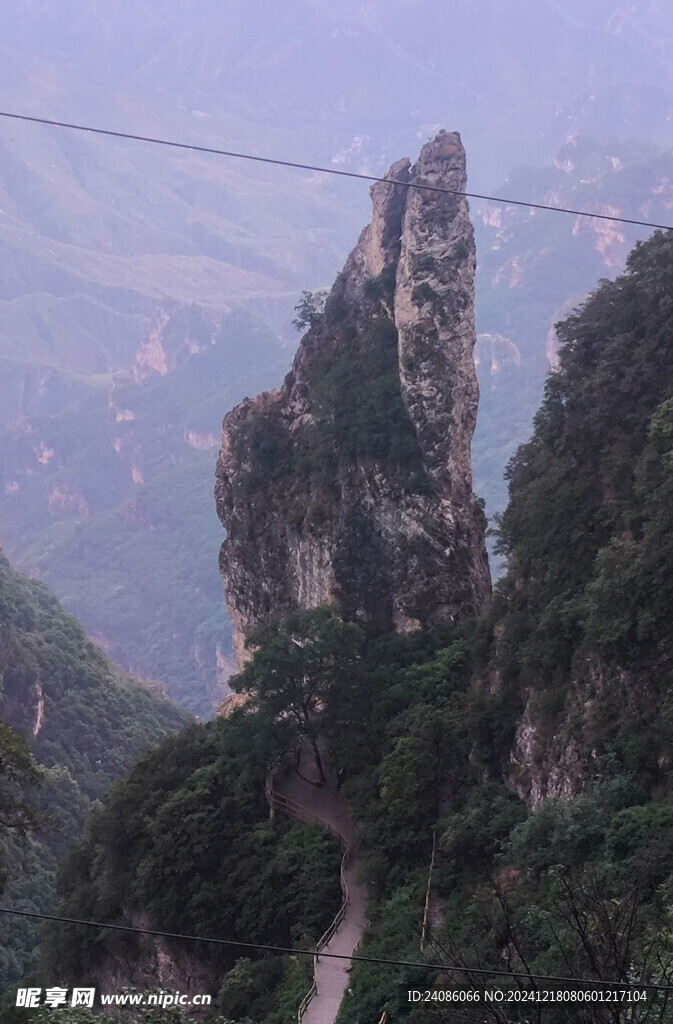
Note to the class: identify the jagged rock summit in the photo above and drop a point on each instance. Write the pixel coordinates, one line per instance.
(352, 483)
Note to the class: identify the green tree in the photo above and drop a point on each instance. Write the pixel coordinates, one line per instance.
(19, 773)
(303, 669)
(309, 309)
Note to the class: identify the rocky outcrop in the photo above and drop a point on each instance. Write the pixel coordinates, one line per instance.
(559, 751)
(154, 964)
(352, 483)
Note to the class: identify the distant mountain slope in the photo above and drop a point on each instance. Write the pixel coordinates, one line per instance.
(125, 225)
(359, 79)
(111, 502)
(86, 723)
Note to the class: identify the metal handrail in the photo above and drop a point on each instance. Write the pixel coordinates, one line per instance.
(295, 810)
(322, 942)
(303, 1006)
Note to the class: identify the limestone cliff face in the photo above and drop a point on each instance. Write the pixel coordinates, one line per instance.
(352, 483)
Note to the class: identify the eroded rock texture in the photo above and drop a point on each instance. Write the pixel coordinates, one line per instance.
(352, 483)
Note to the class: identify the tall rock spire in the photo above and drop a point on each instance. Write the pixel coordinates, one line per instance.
(434, 315)
(352, 483)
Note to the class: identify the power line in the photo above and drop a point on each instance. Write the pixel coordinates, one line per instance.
(332, 956)
(328, 170)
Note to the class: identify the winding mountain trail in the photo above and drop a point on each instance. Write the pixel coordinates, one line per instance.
(324, 805)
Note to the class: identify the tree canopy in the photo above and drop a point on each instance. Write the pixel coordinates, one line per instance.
(305, 668)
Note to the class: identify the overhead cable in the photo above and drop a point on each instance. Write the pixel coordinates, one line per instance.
(357, 958)
(329, 170)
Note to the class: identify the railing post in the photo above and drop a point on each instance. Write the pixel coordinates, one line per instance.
(426, 909)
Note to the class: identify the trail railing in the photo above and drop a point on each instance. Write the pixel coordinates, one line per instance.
(279, 802)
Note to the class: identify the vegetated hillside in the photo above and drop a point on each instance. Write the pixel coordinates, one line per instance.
(586, 602)
(85, 722)
(533, 743)
(185, 841)
(109, 500)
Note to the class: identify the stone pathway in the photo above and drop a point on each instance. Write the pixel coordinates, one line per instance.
(331, 975)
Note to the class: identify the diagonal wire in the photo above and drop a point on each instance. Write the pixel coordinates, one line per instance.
(328, 170)
(334, 956)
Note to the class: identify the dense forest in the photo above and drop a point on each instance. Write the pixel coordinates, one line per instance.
(186, 838)
(530, 747)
